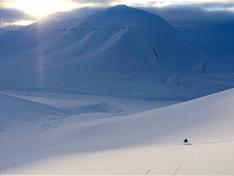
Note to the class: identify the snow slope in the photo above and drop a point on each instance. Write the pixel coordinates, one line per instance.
(28, 114)
(110, 53)
(15, 111)
(146, 143)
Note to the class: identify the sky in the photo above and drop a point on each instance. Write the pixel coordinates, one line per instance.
(23, 12)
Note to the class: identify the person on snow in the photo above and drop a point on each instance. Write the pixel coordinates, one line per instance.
(185, 141)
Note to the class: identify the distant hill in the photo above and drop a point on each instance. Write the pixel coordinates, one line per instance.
(119, 51)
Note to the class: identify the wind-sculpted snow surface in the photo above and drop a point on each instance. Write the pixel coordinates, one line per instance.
(119, 51)
(27, 118)
(149, 142)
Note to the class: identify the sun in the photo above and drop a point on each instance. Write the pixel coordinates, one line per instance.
(42, 8)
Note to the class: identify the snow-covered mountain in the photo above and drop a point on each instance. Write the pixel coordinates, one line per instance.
(52, 123)
(119, 51)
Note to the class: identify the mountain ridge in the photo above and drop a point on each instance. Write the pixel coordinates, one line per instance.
(117, 50)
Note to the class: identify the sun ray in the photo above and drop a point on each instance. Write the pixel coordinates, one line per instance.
(41, 8)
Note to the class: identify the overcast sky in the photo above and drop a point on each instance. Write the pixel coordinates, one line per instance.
(26, 11)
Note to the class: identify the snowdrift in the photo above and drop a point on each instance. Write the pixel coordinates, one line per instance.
(150, 142)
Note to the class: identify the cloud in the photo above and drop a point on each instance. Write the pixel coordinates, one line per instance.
(95, 3)
(178, 12)
(103, 2)
(199, 14)
(226, 7)
(14, 17)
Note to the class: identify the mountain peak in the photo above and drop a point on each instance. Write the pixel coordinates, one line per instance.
(120, 6)
(125, 15)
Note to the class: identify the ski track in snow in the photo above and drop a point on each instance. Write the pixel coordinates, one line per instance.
(148, 172)
(177, 170)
